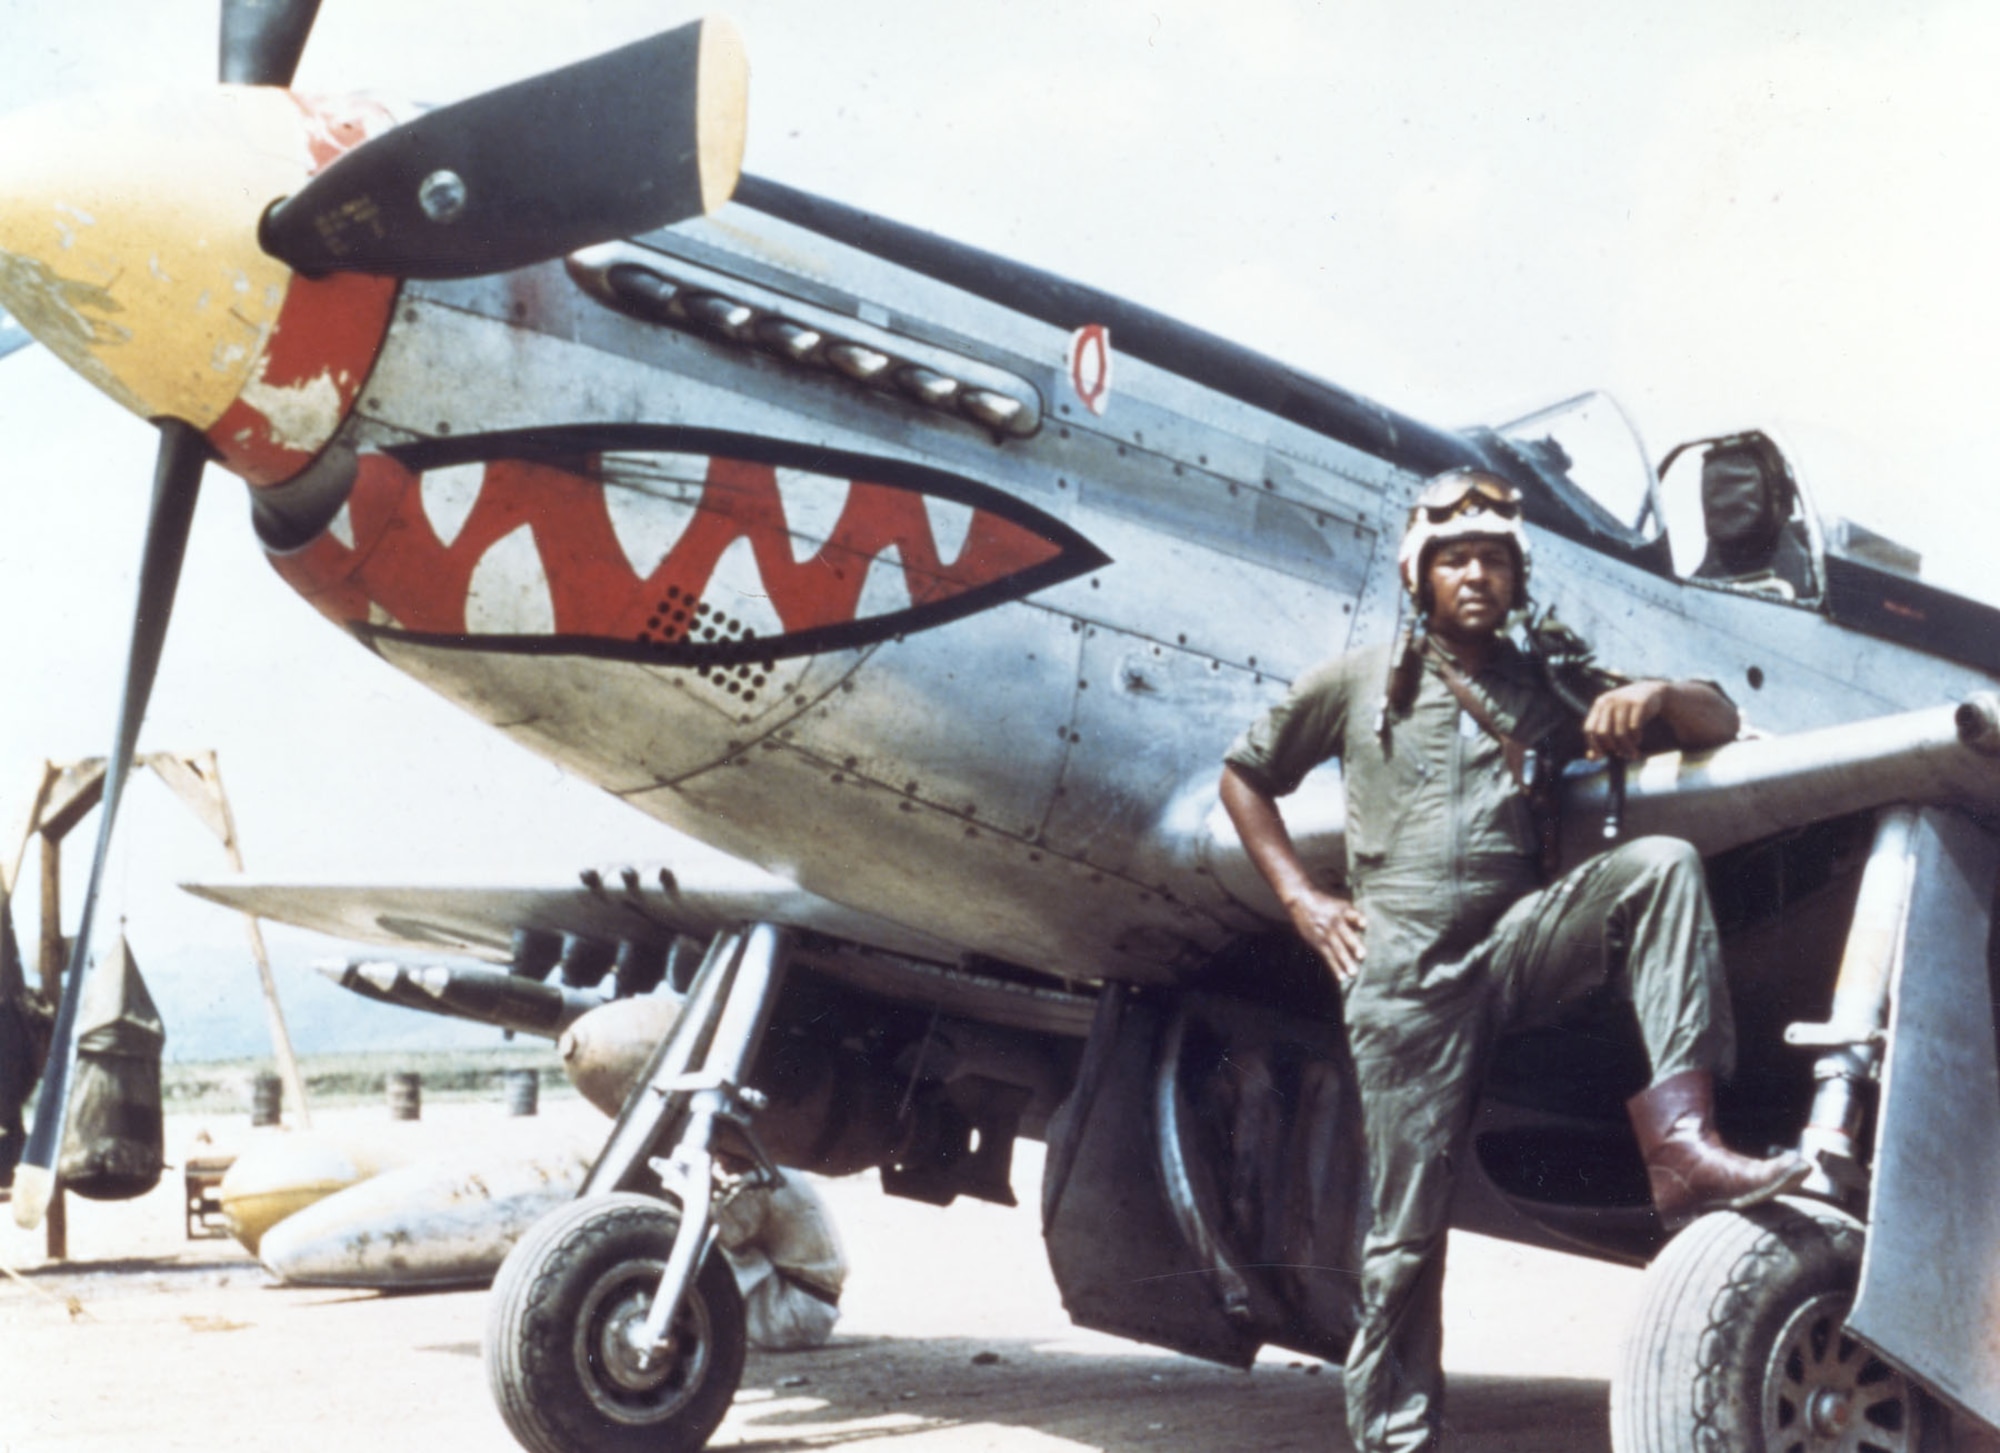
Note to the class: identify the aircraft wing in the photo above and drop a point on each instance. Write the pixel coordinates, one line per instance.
(1947, 756)
(649, 903)
(654, 905)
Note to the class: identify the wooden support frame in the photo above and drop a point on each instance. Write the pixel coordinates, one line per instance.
(62, 796)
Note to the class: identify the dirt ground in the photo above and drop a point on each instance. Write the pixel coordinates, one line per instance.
(144, 1340)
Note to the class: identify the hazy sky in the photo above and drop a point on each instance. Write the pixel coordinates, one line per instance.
(1727, 214)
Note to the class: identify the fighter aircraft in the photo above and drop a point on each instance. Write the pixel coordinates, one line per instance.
(939, 585)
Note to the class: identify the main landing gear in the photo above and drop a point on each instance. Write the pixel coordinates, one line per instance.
(1743, 1340)
(1741, 1343)
(615, 1326)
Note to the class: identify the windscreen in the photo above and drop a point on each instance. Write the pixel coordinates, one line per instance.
(1589, 454)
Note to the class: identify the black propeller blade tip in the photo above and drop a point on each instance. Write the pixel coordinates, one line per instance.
(634, 139)
(262, 40)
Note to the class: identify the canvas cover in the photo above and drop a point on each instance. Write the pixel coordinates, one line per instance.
(114, 1149)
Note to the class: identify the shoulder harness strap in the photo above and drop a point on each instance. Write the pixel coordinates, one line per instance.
(1475, 706)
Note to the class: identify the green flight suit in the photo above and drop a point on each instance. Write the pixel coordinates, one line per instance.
(1462, 946)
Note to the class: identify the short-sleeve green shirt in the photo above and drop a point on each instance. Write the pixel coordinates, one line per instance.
(1435, 821)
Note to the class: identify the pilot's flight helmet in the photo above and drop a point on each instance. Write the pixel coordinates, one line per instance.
(1462, 504)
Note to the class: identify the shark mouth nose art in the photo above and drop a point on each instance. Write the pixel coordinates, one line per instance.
(675, 548)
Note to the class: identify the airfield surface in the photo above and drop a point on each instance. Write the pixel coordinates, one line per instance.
(145, 1340)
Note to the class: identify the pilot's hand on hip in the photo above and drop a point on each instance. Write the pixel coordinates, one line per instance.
(1334, 928)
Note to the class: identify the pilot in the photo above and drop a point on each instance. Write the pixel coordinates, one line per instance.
(1451, 938)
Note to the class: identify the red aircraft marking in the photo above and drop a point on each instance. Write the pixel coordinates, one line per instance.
(399, 564)
(328, 328)
(1090, 366)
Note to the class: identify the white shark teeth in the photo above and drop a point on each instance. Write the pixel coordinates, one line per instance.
(510, 590)
(736, 592)
(813, 505)
(887, 588)
(449, 495)
(647, 525)
(951, 522)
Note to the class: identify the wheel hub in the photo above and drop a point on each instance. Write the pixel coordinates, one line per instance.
(1826, 1393)
(622, 1346)
(1829, 1412)
(628, 1381)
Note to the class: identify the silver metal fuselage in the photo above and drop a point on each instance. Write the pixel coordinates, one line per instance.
(1032, 781)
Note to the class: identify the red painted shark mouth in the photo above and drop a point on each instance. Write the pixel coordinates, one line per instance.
(326, 338)
(676, 547)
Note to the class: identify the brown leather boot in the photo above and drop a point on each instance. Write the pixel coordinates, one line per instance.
(1688, 1166)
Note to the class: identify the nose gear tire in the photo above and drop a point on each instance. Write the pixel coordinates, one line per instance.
(566, 1376)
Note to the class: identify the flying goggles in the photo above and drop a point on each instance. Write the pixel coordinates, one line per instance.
(1467, 491)
(1462, 504)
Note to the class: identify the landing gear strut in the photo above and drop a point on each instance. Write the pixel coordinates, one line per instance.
(615, 1326)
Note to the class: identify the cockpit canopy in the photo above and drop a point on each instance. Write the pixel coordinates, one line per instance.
(1755, 534)
(1590, 455)
(1743, 526)
(1727, 513)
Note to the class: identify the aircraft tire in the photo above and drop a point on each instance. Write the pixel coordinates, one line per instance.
(1738, 1347)
(553, 1346)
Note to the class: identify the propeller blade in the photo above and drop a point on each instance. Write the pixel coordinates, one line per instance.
(262, 40)
(176, 484)
(12, 335)
(632, 140)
